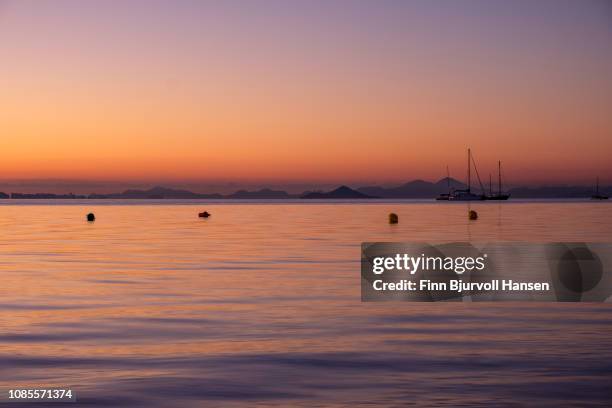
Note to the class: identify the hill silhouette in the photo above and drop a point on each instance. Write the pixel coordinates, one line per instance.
(414, 189)
(170, 193)
(264, 193)
(342, 192)
(157, 193)
(555, 192)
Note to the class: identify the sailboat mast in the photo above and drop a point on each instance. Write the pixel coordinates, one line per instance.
(468, 175)
(597, 186)
(448, 178)
(490, 185)
(499, 176)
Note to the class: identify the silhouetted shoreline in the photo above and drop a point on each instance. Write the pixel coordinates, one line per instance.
(416, 189)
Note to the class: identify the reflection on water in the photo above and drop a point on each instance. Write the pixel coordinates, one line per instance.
(260, 304)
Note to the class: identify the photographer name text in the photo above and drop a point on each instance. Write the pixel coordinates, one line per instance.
(457, 285)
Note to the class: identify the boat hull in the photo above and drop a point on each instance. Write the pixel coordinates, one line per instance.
(499, 197)
(443, 197)
(466, 197)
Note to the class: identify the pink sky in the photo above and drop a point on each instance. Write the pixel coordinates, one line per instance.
(270, 92)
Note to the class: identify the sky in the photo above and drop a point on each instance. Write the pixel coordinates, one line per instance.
(273, 92)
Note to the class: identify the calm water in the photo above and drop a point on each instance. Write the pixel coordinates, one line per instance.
(260, 304)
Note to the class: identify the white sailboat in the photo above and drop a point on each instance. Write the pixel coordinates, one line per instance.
(499, 195)
(466, 194)
(446, 196)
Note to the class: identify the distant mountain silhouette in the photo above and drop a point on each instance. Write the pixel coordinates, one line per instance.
(44, 196)
(341, 192)
(556, 192)
(157, 193)
(414, 189)
(264, 193)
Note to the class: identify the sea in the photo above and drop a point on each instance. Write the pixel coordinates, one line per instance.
(259, 305)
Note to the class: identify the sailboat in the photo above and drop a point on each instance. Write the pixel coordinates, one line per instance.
(446, 196)
(466, 194)
(597, 195)
(499, 195)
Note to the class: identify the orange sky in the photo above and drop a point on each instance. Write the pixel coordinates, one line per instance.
(279, 92)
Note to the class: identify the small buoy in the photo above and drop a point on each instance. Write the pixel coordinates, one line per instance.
(393, 218)
(473, 215)
(91, 217)
(204, 214)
